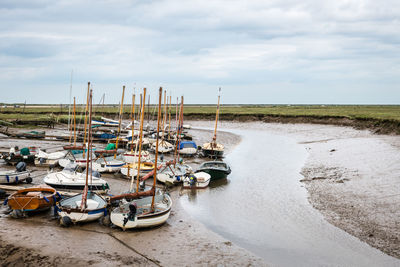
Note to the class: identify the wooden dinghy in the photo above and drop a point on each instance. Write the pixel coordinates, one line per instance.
(32, 199)
(197, 180)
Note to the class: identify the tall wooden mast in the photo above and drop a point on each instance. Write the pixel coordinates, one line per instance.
(156, 156)
(169, 113)
(74, 122)
(140, 139)
(85, 190)
(86, 113)
(133, 121)
(216, 118)
(119, 121)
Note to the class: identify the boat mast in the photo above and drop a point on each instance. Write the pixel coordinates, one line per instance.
(156, 156)
(164, 117)
(69, 108)
(86, 113)
(133, 120)
(178, 135)
(74, 122)
(148, 111)
(180, 125)
(140, 107)
(169, 112)
(165, 112)
(216, 118)
(140, 139)
(85, 190)
(176, 113)
(119, 121)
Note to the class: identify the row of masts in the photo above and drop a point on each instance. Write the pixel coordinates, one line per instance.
(163, 120)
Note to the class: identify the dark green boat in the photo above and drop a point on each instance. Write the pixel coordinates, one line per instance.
(217, 169)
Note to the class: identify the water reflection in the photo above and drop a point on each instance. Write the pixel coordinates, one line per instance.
(221, 183)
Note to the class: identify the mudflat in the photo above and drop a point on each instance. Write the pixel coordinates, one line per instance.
(351, 177)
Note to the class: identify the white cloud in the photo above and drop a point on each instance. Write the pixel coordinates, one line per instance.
(199, 44)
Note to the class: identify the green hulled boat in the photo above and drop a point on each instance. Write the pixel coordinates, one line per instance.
(217, 169)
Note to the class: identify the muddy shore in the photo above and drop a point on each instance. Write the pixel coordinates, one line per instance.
(181, 241)
(351, 177)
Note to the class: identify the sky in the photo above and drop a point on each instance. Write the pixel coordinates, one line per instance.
(258, 52)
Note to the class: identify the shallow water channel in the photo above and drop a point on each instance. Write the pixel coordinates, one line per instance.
(264, 208)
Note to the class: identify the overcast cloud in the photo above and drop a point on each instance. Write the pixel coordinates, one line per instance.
(282, 51)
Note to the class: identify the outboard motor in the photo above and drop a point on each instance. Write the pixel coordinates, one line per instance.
(131, 214)
(21, 166)
(192, 180)
(142, 186)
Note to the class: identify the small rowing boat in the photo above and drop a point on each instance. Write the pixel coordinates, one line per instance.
(32, 199)
(217, 169)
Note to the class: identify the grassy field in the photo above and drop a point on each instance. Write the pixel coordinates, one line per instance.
(37, 113)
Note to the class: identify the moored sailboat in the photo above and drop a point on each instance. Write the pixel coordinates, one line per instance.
(87, 206)
(213, 149)
(150, 210)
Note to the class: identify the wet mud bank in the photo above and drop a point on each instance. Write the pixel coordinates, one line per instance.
(181, 241)
(379, 126)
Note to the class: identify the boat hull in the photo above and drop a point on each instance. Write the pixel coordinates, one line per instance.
(70, 207)
(41, 198)
(212, 153)
(203, 180)
(143, 219)
(14, 159)
(13, 177)
(215, 174)
(42, 162)
(74, 181)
